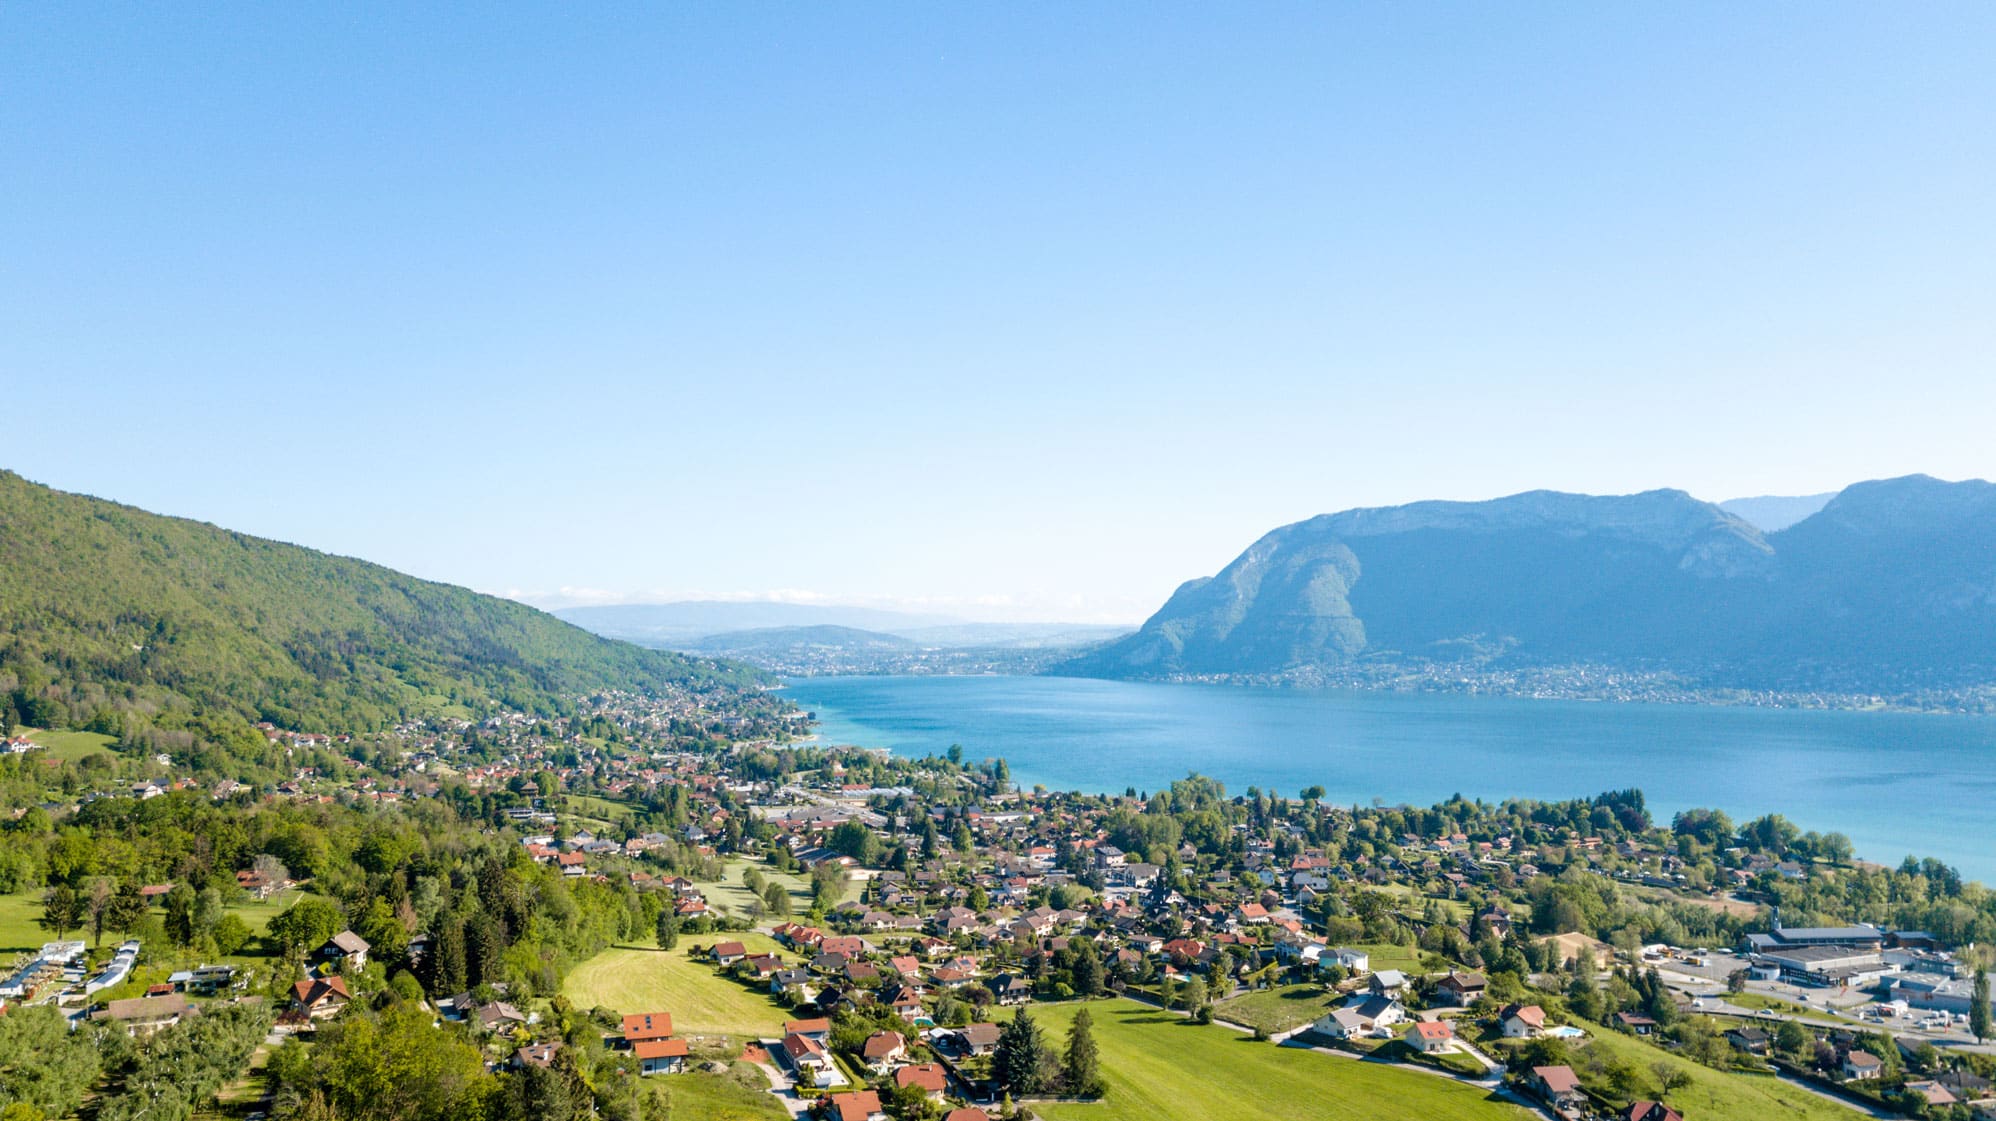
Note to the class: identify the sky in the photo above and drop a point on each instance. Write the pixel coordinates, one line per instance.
(1021, 311)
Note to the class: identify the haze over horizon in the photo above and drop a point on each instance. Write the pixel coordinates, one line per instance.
(1000, 315)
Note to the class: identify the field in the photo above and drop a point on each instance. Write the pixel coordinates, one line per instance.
(71, 746)
(1277, 1009)
(18, 932)
(1385, 955)
(742, 1094)
(1161, 1067)
(644, 979)
(1762, 1000)
(1713, 1095)
(731, 896)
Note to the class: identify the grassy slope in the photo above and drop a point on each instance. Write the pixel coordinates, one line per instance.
(742, 1094)
(636, 979)
(70, 746)
(732, 896)
(1277, 1009)
(1161, 1067)
(1716, 1095)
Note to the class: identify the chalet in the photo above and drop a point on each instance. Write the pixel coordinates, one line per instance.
(1459, 989)
(1651, 1111)
(1558, 1087)
(320, 997)
(1522, 1021)
(1430, 1037)
(1012, 990)
(660, 1056)
(1635, 1023)
(344, 950)
(1751, 1040)
(728, 953)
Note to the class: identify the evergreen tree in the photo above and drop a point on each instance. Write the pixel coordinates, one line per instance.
(1087, 970)
(1021, 1056)
(62, 911)
(1978, 1006)
(1083, 1068)
(668, 929)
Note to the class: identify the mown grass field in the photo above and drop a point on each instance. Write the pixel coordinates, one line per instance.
(70, 746)
(1163, 1068)
(733, 896)
(1385, 955)
(742, 1094)
(634, 979)
(1277, 1009)
(20, 932)
(1712, 1095)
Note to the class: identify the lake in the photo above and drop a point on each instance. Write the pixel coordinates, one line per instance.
(1895, 783)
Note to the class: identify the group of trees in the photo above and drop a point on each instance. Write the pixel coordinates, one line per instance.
(1025, 1064)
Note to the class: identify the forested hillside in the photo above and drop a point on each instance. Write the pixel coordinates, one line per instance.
(110, 615)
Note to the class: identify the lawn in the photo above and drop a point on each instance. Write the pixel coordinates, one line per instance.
(733, 897)
(1385, 955)
(1277, 1009)
(71, 746)
(634, 979)
(1161, 1067)
(1712, 1095)
(742, 1094)
(18, 930)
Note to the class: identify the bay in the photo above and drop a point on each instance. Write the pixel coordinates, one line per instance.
(1895, 783)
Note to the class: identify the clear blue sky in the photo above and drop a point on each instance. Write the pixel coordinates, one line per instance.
(1021, 311)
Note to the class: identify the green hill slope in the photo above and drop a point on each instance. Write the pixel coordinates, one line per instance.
(106, 609)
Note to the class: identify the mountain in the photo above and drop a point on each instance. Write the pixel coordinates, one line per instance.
(111, 609)
(767, 642)
(680, 624)
(1890, 583)
(1770, 512)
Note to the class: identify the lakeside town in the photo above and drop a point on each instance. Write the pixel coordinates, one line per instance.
(842, 933)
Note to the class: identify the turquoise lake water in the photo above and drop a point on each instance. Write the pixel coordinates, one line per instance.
(1895, 783)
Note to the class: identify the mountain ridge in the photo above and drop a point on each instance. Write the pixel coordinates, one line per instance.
(1657, 580)
(107, 608)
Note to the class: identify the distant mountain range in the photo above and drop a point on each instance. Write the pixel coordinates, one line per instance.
(1886, 585)
(702, 625)
(113, 613)
(1768, 513)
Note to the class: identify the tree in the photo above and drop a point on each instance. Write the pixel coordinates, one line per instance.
(1087, 970)
(777, 898)
(306, 925)
(1978, 1006)
(1736, 981)
(231, 934)
(62, 911)
(127, 908)
(1193, 996)
(668, 929)
(1083, 1069)
(1021, 1057)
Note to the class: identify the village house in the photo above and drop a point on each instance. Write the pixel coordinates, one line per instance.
(1558, 1087)
(1430, 1037)
(660, 1056)
(1459, 990)
(141, 1016)
(1861, 1066)
(344, 950)
(1522, 1021)
(320, 997)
